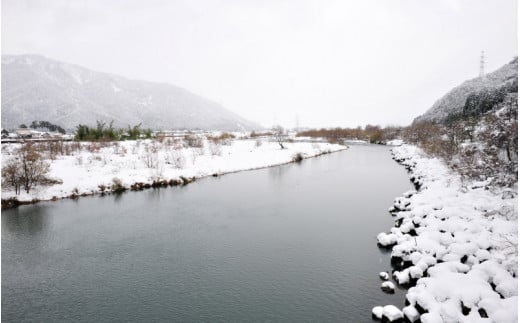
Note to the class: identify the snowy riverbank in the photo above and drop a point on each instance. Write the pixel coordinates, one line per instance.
(92, 168)
(456, 243)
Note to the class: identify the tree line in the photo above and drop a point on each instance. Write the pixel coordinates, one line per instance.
(371, 133)
(43, 124)
(104, 132)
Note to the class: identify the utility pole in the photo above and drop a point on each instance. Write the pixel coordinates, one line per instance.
(482, 62)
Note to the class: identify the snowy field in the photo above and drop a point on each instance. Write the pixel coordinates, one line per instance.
(92, 168)
(456, 243)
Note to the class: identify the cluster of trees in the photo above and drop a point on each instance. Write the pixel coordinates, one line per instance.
(26, 169)
(485, 100)
(104, 132)
(374, 134)
(479, 143)
(46, 125)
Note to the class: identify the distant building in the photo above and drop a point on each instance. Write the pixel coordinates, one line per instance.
(24, 133)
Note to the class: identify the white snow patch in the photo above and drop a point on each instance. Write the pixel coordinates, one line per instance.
(392, 313)
(115, 88)
(465, 244)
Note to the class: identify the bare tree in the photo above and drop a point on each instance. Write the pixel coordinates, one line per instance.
(215, 147)
(150, 156)
(280, 135)
(11, 174)
(26, 169)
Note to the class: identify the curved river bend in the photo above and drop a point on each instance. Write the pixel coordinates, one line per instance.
(294, 243)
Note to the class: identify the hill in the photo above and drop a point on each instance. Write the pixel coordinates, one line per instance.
(38, 88)
(477, 95)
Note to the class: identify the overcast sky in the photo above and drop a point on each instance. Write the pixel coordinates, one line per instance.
(324, 63)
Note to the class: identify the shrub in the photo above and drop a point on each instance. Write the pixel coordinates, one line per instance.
(150, 156)
(176, 158)
(194, 141)
(224, 139)
(117, 185)
(298, 157)
(215, 148)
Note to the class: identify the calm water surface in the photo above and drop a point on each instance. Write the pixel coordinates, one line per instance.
(294, 243)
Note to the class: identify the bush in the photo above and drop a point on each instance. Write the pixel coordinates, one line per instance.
(215, 148)
(478, 147)
(297, 158)
(117, 185)
(194, 141)
(260, 134)
(223, 139)
(176, 158)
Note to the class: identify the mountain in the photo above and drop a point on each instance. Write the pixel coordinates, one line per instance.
(481, 92)
(38, 88)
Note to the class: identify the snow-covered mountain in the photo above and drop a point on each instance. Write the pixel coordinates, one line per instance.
(455, 100)
(38, 88)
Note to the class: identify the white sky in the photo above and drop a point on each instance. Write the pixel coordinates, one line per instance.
(326, 63)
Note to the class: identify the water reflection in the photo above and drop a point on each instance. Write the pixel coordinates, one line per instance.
(118, 197)
(277, 173)
(31, 220)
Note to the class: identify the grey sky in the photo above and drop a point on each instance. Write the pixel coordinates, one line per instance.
(331, 63)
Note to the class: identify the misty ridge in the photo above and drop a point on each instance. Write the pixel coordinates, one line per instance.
(37, 88)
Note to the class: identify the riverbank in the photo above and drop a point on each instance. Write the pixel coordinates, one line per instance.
(454, 244)
(104, 168)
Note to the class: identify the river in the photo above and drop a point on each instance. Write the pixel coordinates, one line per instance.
(293, 243)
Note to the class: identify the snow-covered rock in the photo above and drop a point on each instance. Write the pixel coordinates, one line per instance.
(388, 287)
(411, 314)
(455, 243)
(377, 312)
(392, 314)
(386, 240)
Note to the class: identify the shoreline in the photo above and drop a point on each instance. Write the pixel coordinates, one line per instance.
(453, 246)
(181, 180)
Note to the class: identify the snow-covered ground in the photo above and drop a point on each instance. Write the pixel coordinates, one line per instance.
(456, 243)
(93, 168)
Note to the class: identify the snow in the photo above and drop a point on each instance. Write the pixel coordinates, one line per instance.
(395, 142)
(462, 255)
(93, 96)
(386, 240)
(454, 100)
(411, 313)
(92, 169)
(378, 312)
(392, 313)
(115, 88)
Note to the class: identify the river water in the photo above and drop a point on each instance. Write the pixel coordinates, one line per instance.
(294, 243)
